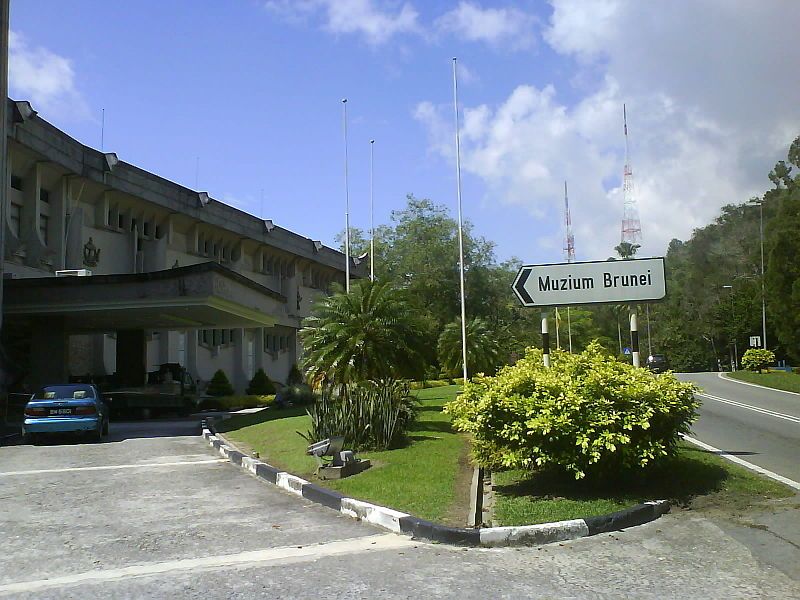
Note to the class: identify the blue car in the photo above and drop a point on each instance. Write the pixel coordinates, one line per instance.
(66, 408)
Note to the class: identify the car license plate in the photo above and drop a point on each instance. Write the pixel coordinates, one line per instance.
(60, 411)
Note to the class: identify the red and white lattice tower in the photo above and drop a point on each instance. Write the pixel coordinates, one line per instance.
(631, 226)
(569, 241)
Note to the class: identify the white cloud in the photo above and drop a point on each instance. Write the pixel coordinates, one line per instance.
(712, 105)
(499, 27)
(45, 78)
(362, 17)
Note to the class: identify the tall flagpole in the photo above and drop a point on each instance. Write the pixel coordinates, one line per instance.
(371, 210)
(346, 204)
(460, 224)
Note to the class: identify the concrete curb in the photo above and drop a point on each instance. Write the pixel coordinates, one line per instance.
(400, 522)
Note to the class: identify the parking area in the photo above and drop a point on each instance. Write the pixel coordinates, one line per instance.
(154, 513)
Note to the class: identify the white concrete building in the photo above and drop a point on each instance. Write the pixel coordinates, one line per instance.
(175, 276)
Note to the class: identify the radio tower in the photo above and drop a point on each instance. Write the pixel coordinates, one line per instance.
(631, 226)
(569, 252)
(569, 242)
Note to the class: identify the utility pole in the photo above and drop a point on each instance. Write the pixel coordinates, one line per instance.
(4, 10)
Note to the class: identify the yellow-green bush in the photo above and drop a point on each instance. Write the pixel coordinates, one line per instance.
(758, 359)
(429, 383)
(231, 402)
(588, 414)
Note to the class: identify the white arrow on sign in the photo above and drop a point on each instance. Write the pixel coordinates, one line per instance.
(597, 282)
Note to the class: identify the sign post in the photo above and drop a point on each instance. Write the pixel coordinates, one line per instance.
(598, 282)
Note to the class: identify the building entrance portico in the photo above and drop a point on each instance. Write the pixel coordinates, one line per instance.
(202, 297)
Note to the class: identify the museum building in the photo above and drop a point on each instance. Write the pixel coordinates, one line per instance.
(109, 269)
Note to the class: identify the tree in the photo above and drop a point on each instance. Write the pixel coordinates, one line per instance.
(260, 384)
(483, 348)
(219, 385)
(782, 278)
(370, 333)
(626, 250)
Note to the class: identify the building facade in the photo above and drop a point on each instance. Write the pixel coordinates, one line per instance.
(156, 272)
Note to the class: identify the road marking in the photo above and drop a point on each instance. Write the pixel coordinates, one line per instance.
(771, 474)
(113, 467)
(757, 409)
(724, 377)
(277, 556)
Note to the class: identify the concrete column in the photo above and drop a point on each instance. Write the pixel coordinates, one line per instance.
(240, 379)
(98, 354)
(165, 341)
(191, 353)
(258, 341)
(131, 357)
(49, 352)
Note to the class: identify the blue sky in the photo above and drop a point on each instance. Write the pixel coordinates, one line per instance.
(253, 88)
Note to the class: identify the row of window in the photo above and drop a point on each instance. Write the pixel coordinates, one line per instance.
(15, 211)
(224, 337)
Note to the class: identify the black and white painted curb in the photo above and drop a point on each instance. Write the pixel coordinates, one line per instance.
(400, 522)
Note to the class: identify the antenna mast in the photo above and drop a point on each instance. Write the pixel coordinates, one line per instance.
(631, 226)
(569, 243)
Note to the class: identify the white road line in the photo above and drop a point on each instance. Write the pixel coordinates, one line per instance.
(724, 377)
(771, 474)
(275, 556)
(112, 467)
(757, 409)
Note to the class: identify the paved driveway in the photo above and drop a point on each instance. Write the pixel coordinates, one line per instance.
(153, 513)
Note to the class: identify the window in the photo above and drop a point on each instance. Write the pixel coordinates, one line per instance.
(121, 221)
(146, 227)
(43, 222)
(109, 218)
(133, 224)
(44, 195)
(16, 182)
(14, 217)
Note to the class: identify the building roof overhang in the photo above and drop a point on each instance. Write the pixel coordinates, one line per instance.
(205, 295)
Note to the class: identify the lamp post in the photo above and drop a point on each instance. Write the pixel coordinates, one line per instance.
(735, 361)
(460, 225)
(760, 203)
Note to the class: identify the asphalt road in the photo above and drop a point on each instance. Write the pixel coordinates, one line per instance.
(154, 513)
(760, 425)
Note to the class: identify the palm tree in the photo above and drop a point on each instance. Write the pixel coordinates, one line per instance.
(370, 333)
(483, 348)
(626, 250)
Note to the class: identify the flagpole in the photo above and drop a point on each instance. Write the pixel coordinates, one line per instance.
(460, 224)
(371, 210)
(346, 205)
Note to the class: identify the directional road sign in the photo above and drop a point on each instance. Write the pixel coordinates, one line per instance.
(755, 341)
(598, 282)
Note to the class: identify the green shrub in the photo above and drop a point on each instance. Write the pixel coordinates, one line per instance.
(371, 415)
(219, 385)
(295, 376)
(231, 402)
(587, 415)
(758, 359)
(260, 384)
(428, 383)
(299, 394)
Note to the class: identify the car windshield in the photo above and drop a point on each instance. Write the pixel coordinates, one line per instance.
(64, 392)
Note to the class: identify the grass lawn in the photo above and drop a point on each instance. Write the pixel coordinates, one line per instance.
(695, 478)
(780, 380)
(427, 478)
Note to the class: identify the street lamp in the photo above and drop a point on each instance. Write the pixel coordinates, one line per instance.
(735, 361)
(760, 203)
